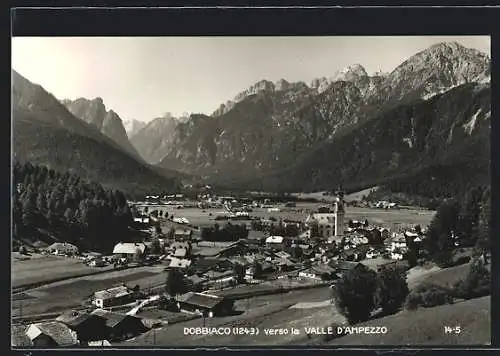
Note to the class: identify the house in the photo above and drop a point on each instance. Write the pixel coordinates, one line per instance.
(180, 253)
(97, 262)
(120, 326)
(282, 254)
(397, 255)
(271, 240)
(113, 296)
(142, 220)
(318, 272)
(182, 234)
(62, 248)
(180, 263)
(98, 343)
(284, 264)
(18, 337)
(51, 334)
(346, 266)
(237, 248)
(88, 327)
(179, 245)
(197, 281)
(206, 304)
(129, 249)
(205, 264)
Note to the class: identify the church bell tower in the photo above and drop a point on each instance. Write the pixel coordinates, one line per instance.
(339, 210)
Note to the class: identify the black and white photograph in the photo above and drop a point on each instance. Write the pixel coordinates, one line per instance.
(213, 191)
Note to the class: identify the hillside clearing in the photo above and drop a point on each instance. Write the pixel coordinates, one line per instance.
(426, 326)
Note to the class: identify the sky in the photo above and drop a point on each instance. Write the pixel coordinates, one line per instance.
(144, 77)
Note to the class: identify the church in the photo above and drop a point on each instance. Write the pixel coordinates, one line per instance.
(330, 220)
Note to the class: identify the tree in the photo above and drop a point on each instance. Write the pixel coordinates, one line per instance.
(137, 255)
(297, 252)
(391, 290)
(155, 246)
(174, 284)
(440, 236)
(257, 269)
(484, 233)
(354, 294)
(477, 283)
(239, 273)
(469, 216)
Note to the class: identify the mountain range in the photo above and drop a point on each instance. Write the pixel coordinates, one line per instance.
(295, 136)
(428, 117)
(45, 132)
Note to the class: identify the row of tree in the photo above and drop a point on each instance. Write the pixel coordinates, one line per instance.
(278, 229)
(67, 206)
(230, 232)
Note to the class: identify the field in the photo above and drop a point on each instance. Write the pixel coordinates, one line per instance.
(60, 296)
(390, 218)
(444, 277)
(261, 311)
(426, 326)
(43, 268)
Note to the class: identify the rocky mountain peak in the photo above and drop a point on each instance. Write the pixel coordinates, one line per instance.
(436, 69)
(350, 73)
(108, 122)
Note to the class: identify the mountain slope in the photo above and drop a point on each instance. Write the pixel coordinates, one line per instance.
(46, 133)
(434, 140)
(108, 122)
(266, 127)
(155, 139)
(133, 126)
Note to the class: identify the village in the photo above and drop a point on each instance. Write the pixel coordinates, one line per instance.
(211, 255)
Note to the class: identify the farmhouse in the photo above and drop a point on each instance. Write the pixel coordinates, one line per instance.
(114, 296)
(88, 327)
(206, 304)
(18, 336)
(271, 240)
(63, 248)
(180, 253)
(129, 249)
(51, 334)
(182, 234)
(319, 272)
(180, 263)
(120, 326)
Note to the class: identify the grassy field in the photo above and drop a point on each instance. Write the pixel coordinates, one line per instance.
(42, 268)
(202, 218)
(444, 277)
(426, 326)
(265, 310)
(71, 293)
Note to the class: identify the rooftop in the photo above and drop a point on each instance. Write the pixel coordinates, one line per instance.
(112, 319)
(201, 300)
(58, 332)
(112, 293)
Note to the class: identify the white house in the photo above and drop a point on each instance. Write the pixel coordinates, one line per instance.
(129, 249)
(396, 255)
(113, 296)
(274, 240)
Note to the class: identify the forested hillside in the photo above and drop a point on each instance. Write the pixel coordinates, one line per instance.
(48, 205)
